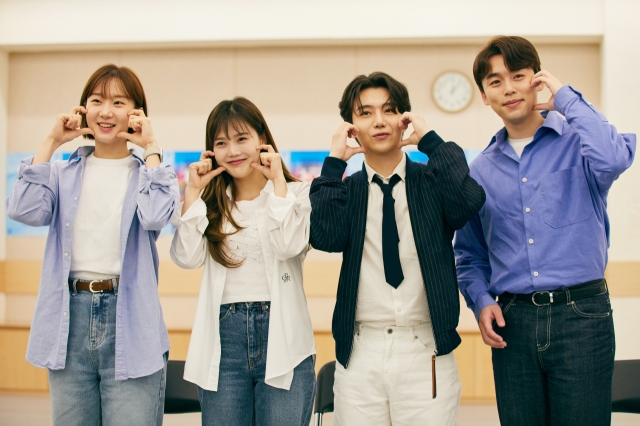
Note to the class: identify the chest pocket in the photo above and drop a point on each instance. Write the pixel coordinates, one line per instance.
(566, 198)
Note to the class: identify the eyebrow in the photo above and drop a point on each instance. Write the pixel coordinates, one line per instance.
(112, 97)
(388, 103)
(492, 75)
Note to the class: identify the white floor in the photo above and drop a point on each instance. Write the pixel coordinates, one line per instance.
(28, 410)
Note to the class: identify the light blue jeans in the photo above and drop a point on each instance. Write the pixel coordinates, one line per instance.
(243, 398)
(85, 392)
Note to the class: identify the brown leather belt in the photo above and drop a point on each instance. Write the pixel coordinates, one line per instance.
(94, 286)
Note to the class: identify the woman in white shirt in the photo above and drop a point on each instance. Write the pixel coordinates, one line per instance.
(246, 219)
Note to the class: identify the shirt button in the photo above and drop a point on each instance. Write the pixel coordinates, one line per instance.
(527, 210)
(399, 310)
(389, 331)
(75, 198)
(535, 274)
(67, 224)
(64, 313)
(66, 254)
(531, 241)
(524, 179)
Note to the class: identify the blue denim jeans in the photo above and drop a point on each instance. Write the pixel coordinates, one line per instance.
(243, 398)
(558, 364)
(85, 392)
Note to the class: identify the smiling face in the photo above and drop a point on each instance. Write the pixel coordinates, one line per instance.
(377, 121)
(107, 113)
(236, 150)
(509, 93)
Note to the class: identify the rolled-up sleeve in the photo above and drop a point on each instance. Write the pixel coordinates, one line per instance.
(158, 197)
(34, 195)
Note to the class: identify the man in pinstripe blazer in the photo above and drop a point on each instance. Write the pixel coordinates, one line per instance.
(397, 305)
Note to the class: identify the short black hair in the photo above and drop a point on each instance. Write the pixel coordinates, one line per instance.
(398, 93)
(518, 54)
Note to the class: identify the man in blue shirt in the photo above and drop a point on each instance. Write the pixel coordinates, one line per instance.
(539, 244)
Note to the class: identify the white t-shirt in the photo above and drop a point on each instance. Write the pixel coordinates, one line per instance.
(95, 241)
(247, 283)
(519, 144)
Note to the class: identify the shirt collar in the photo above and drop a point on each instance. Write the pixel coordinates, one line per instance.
(84, 151)
(268, 189)
(552, 120)
(400, 170)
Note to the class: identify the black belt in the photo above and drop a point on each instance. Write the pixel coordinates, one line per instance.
(563, 295)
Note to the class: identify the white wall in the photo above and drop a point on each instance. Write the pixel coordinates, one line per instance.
(72, 22)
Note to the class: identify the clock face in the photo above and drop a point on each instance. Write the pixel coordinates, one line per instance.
(452, 91)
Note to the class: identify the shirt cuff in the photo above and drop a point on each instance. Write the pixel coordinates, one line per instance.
(482, 302)
(162, 176)
(195, 215)
(333, 168)
(278, 208)
(38, 173)
(429, 143)
(563, 97)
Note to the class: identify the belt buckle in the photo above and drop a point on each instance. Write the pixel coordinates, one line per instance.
(91, 287)
(533, 298)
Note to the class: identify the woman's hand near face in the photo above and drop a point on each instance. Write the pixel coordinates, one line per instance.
(200, 174)
(142, 135)
(66, 128)
(271, 167)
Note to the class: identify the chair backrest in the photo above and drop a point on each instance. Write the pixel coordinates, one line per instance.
(180, 396)
(324, 391)
(625, 396)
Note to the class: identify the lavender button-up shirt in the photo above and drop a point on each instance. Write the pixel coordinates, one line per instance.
(47, 195)
(544, 225)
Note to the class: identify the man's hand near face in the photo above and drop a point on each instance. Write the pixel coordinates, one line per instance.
(420, 128)
(339, 147)
(545, 79)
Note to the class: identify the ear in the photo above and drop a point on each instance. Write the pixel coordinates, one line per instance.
(484, 98)
(540, 87)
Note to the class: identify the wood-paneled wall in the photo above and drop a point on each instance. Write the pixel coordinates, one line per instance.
(18, 376)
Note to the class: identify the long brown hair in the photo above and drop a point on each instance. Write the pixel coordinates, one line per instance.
(127, 80)
(239, 114)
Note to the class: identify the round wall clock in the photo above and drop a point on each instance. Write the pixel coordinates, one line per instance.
(452, 91)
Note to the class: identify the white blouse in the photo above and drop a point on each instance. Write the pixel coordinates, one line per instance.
(283, 226)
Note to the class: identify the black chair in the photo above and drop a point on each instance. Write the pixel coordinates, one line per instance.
(625, 396)
(324, 391)
(180, 396)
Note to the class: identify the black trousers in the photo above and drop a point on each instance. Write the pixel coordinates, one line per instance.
(558, 364)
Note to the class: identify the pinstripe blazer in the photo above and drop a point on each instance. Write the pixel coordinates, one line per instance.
(441, 197)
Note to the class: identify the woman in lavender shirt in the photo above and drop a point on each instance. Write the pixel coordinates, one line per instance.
(98, 325)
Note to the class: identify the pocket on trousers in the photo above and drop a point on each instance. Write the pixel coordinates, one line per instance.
(225, 312)
(593, 307)
(566, 198)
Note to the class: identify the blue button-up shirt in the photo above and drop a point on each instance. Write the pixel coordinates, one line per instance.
(47, 194)
(544, 225)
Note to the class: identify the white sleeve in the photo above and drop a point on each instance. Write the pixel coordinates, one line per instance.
(189, 245)
(288, 221)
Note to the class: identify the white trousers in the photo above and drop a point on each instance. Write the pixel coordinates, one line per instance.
(388, 380)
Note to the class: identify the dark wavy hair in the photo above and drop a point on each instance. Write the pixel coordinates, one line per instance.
(239, 114)
(518, 53)
(398, 93)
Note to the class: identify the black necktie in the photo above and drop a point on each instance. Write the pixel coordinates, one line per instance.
(390, 240)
